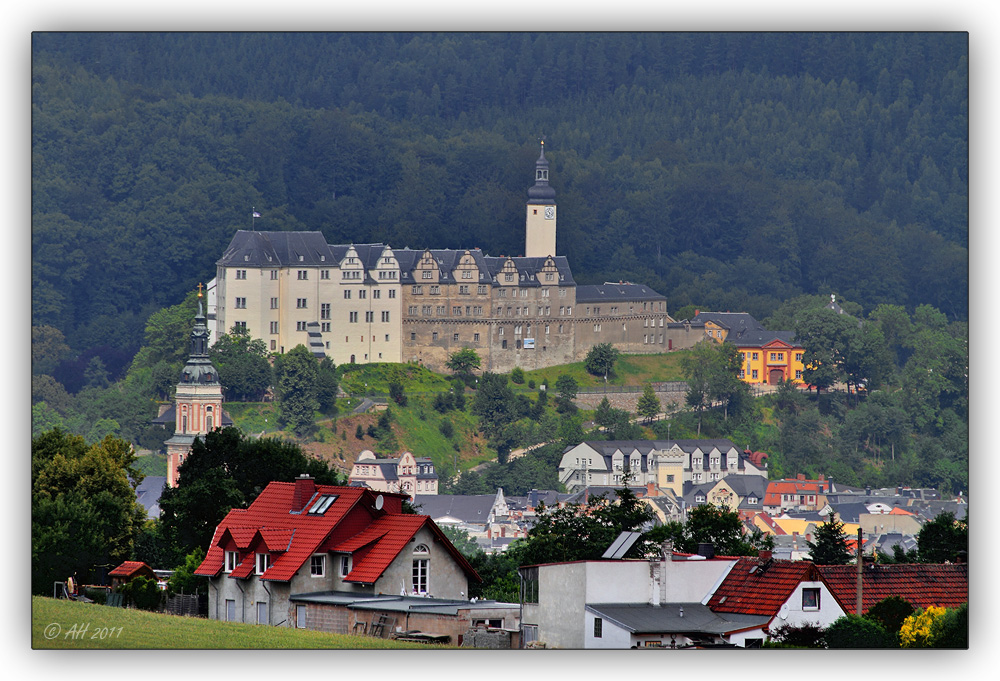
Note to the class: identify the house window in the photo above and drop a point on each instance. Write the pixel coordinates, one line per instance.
(529, 585)
(303, 274)
(274, 327)
(241, 303)
(385, 316)
(324, 274)
(300, 303)
(598, 627)
(426, 274)
(362, 293)
(300, 326)
(798, 356)
(421, 564)
(345, 565)
(274, 274)
(241, 274)
(481, 290)
(352, 317)
(508, 277)
(324, 327)
(798, 374)
(347, 294)
(324, 311)
(463, 290)
(369, 316)
(417, 290)
(240, 325)
(434, 335)
(317, 565)
(755, 356)
(262, 612)
(530, 632)
(263, 562)
(300, 616)
(274, 303)
(810, 599)
(377, 294)
(230, 610)
(435, 290)
(466, 274)
(232, 560)
(754, 374)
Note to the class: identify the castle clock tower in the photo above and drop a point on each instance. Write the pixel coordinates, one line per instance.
(198, 400)
(540, 225)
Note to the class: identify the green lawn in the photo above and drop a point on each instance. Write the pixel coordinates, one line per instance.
(60, 624)
(630, 370)
(376, 377)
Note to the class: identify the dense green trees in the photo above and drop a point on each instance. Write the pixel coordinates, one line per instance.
(84, 512)
(830, 545)
(296, 375)
(244, 370)
(710, 524)
(685, 161)
(600, 360)
(648, 405)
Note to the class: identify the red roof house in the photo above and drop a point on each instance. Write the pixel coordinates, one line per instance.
(128, 571)
(300, 537)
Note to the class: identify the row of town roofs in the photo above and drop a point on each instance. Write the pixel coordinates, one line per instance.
(349, 560)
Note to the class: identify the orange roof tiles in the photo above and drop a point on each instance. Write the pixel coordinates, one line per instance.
(921, 584)
(129, 568)
(760, 587)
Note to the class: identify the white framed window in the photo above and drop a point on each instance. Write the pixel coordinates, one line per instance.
(300, 616)
(263, 562)
(385, 315)
(274, 274)
(241, 303)
(274, 303)
(347, 294)
(377, 294)
(301, 303)
(352, 317)
(303, 274)
(810, 599)
(421, 569)
(324, 274)
(324, 310)
(426, 274)
(241, 274)
(317, 565)
(345, 565)
(392, 293)
(232, 560)
(300, 326)
(274, 327)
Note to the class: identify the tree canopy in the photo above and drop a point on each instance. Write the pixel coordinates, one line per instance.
(830, 545)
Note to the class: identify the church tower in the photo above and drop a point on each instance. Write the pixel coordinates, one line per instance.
(540, 225)
(198, 401)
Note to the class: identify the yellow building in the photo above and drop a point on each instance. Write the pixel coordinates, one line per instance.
(769, 357)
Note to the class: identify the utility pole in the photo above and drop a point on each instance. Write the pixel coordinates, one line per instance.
(859, 557)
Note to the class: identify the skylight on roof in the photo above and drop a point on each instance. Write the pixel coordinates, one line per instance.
(323, 503)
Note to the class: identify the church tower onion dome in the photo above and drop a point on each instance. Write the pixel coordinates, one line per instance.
(199, 369)
(541, 192)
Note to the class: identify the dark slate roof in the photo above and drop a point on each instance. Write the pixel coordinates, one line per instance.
(148, 494)
(744, 330)
(615, 292)
(849, 512)
(469, 508)
(274, 249)
(667, 618)
(597, 490)
(528, 269)
(744, 485)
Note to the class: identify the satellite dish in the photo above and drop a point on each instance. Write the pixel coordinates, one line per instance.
(379, 501)
(783, 613)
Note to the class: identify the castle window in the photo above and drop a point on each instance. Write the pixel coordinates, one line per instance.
(300, 326)
(347, 294)
(274, 274)
(324, 311)
(369, 317)
(413, 335)
(362, 293)
(377, 294)
(241, 303)
(352, 317)
(392, 293)
(385, 316)
(300, 303)
(325, 328)
(240, 325)
(303, 274)
(274, 303)
(324, 274)
(508, 277)
(241, 274)
(426, 274)
(482, 290)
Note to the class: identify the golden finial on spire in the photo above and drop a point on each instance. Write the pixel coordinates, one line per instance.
(199, 289)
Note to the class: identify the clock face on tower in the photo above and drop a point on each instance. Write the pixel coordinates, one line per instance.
(550, 212)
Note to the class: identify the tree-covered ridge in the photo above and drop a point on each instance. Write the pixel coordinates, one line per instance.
(731, 170)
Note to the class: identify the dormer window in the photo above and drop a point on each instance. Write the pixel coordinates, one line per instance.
(232, 560)
(322, 504)
(263, 562)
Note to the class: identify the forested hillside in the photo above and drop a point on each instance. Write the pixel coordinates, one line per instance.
(731, 171)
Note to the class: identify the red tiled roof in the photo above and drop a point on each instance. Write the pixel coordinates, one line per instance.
(293, 535)
(921, 584)
(763, 590)
(129, 568)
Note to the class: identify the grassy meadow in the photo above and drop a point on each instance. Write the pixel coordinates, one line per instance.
(69, 625)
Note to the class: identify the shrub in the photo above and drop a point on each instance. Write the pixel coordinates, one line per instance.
(806, 635)
(890, 612)
(359, 432)
(143, 592)
(531, 384)
(447, 428)
(851, 631)
(517, 376)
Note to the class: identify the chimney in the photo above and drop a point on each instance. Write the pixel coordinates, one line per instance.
(764, 555)
(697, 312)
(651, 490)
(305, 487)
(706, 549)
(821, 478)
(868, 490)
(800, 476)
